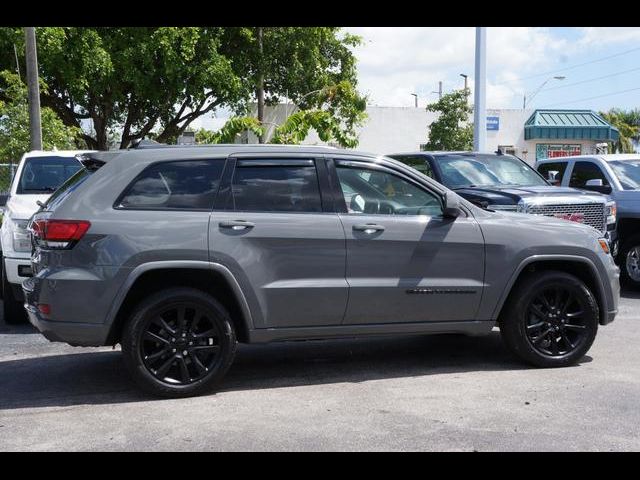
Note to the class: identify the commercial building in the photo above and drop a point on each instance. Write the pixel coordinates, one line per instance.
(529, 134)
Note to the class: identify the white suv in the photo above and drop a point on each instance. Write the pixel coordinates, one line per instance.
(38, 175)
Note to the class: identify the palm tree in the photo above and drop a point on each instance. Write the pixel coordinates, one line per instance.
(628, 125)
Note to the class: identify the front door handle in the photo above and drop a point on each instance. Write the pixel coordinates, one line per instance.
(236, 224)
(369, 228)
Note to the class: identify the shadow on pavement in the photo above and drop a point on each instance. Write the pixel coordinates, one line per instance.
(627, 292)
(100, 377)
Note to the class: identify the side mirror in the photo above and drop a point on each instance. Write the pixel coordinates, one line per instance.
(597, 185)
(552, 177)
(451, 205)
(594, 182)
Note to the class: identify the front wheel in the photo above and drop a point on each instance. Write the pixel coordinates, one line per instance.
(179, 342)
(629, 260)
(551, 320)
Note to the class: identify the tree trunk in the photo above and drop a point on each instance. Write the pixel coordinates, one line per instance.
(260, 89)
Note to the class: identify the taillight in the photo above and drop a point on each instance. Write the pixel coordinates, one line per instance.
(58, 234)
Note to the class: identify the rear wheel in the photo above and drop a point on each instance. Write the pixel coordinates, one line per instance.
(179, 342)
(629, 260)
(12, 308)
(551, 320)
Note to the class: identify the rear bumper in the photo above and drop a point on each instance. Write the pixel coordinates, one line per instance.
(15, 267)
(74, 333)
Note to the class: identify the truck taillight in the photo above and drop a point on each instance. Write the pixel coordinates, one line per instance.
(58, 234)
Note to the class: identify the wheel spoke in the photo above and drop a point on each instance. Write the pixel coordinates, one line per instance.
(209, 333)
(577, 314)
(545, 301)
(565, 337)
(166, 326)
(199, 365)
(554, 345)
(538, 311)
(184, 371)
(181, 312)
(204, 348)
(155, 338)
(156, 356)
(535, 325)
(164, 368)
(539, 338)
(574, 327)
(566, 303)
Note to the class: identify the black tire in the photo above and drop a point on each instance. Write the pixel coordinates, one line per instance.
(155, 327)
(533, 309)
(626, 277)
(12, 309)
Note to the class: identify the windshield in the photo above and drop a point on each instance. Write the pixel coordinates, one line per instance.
(628, 172)
(46, 174)
(460, 171)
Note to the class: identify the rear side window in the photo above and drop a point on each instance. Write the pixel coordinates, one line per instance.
(46, 174)
(418, 162)
(553, 172)
(181, 185)
(67, 187)
(264, 186)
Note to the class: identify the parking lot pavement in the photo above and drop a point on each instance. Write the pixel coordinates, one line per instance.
(402, 393)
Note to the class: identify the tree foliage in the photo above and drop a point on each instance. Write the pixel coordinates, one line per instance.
(230, 131)
(452, 130)
(628, 124)
(154, 81)
(14, 122)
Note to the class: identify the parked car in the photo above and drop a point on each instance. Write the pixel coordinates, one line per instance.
(506, 183)
(179, 253)
(616, 175)
(39, 173)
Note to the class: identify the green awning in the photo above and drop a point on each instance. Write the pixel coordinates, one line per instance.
(570, 125)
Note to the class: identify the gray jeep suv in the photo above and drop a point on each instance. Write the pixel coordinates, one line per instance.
(179, 253)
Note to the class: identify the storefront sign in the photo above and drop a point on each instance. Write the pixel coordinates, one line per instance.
(493, 123)
(545, 150)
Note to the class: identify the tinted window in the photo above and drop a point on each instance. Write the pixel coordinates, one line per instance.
(73, 182)
(628, 172)
(583, 171)
(418, 162)
(46, 174)
(368, 191)
(486, 170)
(175, 185)
(553, 172)
(276, 188)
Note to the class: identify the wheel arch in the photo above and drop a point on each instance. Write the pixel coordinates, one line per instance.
(212, 278)
(581, 267)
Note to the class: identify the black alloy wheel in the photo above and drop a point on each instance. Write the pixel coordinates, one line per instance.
(179, 342)
(550, 319)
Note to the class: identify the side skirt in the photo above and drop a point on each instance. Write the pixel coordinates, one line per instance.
(265, 335)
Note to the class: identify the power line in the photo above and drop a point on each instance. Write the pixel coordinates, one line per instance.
(569, 68)
(592, 98)
(592, 79)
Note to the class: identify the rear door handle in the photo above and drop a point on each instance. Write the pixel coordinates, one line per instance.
(236, 224)
(369, 228)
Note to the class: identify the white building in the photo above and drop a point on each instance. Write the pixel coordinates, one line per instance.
(529, 134)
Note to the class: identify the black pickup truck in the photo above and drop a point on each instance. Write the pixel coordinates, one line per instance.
(497, 181)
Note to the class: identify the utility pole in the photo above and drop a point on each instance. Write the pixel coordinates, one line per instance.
(416, 99)
(479, 108)
(35, 127)
(440, 89)
(260, 84)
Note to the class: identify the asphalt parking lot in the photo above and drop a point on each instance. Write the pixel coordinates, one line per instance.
(400, 393)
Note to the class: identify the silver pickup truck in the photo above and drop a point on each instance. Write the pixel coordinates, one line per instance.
(617, 176)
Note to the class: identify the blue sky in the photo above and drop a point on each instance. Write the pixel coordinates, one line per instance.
(395, 62)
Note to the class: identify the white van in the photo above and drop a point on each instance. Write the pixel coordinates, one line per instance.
(38, 175)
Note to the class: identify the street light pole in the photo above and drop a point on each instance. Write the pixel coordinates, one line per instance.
(35, 126)
(524, 100)
(479, 109)
(416, 98)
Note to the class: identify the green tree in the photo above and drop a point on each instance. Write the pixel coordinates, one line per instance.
(131, 80)
(452, 130)
(230, 131)
(314, 67)
(14, 122)
(628, 125)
